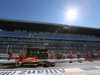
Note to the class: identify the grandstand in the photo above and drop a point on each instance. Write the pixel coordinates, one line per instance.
(54, 37)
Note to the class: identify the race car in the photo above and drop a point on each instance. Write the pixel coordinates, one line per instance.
(33, 61)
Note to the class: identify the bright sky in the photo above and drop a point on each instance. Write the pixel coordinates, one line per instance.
(53, 11)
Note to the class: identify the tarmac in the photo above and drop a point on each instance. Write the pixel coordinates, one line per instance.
(65, 68)
(97, 72)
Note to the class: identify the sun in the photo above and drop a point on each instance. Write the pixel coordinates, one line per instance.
(71, 14)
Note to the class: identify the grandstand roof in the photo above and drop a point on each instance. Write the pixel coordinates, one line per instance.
(12, 25)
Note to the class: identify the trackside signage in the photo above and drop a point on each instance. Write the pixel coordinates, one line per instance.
(48, 72)
(33, 72)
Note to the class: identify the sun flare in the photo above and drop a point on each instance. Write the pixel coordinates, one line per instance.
(71, 14)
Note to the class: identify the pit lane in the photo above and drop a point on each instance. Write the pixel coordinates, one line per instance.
(58, 66)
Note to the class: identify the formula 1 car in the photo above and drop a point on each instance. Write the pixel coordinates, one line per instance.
(33, 61)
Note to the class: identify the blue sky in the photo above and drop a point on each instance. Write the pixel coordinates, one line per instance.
(52, 11)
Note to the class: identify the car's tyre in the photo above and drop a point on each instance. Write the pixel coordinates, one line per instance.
(80, 61)
(47, 64)
(35, 65)
(18, 64)
(52, 65)
(70, 62)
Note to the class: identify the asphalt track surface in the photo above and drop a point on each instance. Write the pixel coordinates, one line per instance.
(63, 65)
